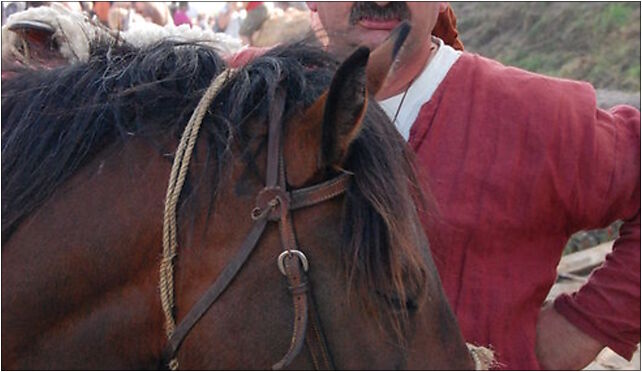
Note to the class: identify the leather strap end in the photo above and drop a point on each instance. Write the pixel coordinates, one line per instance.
(298, 287)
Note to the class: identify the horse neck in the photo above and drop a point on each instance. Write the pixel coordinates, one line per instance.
(80, 275)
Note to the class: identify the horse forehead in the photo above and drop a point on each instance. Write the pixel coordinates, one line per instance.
(302, 145)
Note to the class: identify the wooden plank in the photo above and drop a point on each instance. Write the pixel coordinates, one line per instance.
(584, 260)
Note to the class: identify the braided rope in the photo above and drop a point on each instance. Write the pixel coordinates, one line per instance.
(176, 181)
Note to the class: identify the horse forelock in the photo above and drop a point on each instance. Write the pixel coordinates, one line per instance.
(384, 245)
(55, 121)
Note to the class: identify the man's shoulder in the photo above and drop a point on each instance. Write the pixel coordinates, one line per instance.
(490, 79)
(492, 70)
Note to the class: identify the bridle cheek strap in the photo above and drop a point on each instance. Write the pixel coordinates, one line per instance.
(294, 266)
(298, 286)
(213, 292)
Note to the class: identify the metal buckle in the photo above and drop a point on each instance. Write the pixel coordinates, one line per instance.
(304, 260)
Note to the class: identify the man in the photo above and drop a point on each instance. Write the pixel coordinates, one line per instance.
(515, 162)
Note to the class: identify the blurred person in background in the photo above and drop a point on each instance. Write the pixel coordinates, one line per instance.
(10, 7)
(201, 21)
(257, 13)
(101, 9)
(229, 19)
(154, 11)
(180, 15)
(285, 5)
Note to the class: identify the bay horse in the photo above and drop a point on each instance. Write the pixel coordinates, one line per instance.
(86, 154)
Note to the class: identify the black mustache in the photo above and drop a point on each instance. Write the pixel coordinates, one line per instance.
(370, 10)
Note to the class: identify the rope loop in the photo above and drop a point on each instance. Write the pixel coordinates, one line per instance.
(177, 177)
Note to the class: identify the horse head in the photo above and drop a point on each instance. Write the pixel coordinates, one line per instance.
(81, 250)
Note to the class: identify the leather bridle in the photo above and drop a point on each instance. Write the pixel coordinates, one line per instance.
(274, 203)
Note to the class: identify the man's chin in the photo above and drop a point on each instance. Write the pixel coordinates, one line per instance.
(343, 46)
(372, 38)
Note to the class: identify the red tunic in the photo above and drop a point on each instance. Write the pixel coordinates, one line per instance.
(516, 162)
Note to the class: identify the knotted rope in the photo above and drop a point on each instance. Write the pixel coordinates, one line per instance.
(176, 181)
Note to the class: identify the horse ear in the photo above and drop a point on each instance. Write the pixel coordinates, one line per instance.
(344, 107)
(347, 99)
(382, 58)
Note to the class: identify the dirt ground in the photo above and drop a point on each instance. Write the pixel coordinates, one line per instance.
(607, 359)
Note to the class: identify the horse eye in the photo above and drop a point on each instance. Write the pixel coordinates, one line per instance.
(395, 302)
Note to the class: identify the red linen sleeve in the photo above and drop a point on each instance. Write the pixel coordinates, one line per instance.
(607, 307)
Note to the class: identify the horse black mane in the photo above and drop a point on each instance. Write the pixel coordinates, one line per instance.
(55, 121)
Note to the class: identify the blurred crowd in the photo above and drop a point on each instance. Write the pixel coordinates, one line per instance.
(241, 20)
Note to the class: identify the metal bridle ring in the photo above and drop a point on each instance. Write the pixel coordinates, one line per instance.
(304, 260)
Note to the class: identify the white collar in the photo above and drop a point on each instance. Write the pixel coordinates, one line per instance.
(421, 89)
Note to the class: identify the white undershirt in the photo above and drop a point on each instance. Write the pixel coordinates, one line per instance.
(421, 89)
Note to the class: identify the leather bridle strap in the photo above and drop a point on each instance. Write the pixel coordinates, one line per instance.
(213, 292)
(319, 193)
(322, 192)
(298, 286)
(316, 341)
(274, 204)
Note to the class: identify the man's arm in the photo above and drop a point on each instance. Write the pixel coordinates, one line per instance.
(606, 310)
(560, 345)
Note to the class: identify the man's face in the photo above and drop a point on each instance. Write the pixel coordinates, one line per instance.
(350, 24)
